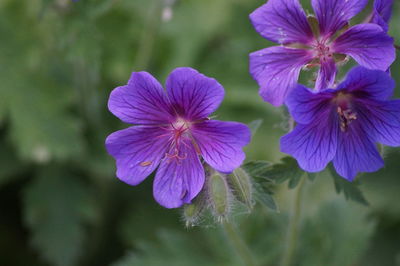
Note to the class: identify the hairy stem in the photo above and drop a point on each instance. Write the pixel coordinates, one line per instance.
(294, 223)
(237, 242)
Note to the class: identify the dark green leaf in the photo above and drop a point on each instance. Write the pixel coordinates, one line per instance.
(261, 183)
(256, 168)
(264, 196)
(57, 206)
(351, 190)
(287, 169)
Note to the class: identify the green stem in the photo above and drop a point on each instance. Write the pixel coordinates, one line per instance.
(238, 243)
(294, 223)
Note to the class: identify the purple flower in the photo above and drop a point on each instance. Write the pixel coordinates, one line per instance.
(343, 124)
(382, 13)
(173, 131)
(322, 41)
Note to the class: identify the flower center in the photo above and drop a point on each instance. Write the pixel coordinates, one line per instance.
(179, 133)
(323, 52)
(344, 110)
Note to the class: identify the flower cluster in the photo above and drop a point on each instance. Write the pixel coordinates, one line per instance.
(173, 133)
(335, 122)
(338, 123)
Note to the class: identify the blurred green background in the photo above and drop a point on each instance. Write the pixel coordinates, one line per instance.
(60, 203)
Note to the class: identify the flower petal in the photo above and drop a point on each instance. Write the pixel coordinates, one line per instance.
(333, 15)
(305, 106)
(356, 152)
(137, 151)
(313, 145)
(368, 84)
(277, 69)
(382, 13)
(141, 101)
(282, 21)
(326, 75)
(179, 180)
(381, 120)
(221, 143)
(368, 44)
(193, 95)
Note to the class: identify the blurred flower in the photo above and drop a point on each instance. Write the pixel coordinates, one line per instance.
(382, 13)
(342, 125)
(174, 130)
(323, 41)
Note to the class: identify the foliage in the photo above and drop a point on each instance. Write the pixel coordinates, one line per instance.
(60, 202)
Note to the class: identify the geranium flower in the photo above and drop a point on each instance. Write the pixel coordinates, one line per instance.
(173, 131)
(343, 124)
(323, 41)
(382, 13)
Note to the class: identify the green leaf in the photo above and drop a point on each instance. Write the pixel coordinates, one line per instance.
(262, 185)
(10, 167)
(287, 169)
(350, 190)
(255, 125)
(36, 91)
(264, 196)
(57, 206)
(256, 169)
(335, 226)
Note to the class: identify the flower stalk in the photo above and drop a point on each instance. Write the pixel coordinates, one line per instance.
(294, 224)
(238, 244)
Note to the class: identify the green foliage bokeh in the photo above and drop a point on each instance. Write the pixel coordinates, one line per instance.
(60, 203)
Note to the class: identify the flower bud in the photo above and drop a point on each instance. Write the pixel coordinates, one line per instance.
(192, 212)
(241, 184)
(219, 195)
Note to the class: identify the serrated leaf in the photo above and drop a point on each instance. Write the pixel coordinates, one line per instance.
(264, 197)
(287, 169)
(261, 184)
(255, 125)
(256, 168)
(350, 190)
(56, 208)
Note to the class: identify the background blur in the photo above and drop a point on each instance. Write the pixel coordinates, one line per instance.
(60, 203)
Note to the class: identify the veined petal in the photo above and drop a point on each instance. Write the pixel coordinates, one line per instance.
(137, 151)
(179, 180)
(282, 21)
(305, 106)
(382, 13)
(142, 101)
(221, 143)
(381, 119)
(193, 95)
(356, 152)
(333, 15)
(368, 44)
(313, 145)
(277, 69)
(384, 8)
(368, 84)
(326, 75)
(377, 19)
